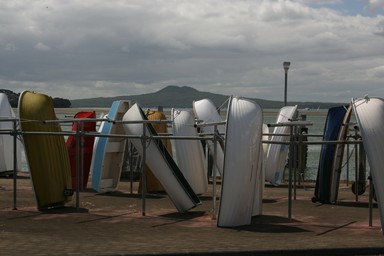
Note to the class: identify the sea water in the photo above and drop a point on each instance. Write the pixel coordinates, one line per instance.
(315, 131)
(317, 118)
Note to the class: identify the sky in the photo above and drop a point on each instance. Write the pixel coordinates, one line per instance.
(95, 48)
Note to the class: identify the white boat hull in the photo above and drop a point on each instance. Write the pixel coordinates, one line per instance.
(7, 140)
(160, 162)
(189, 154)
(242, 180)
(277, 153)
(369, 113)
(205, 111)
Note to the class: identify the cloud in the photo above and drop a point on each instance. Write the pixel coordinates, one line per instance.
(10, 47)
(100, 48)
(42, 47)
(374, 6)
(376, 72)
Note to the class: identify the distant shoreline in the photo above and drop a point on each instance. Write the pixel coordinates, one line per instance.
(101, 110)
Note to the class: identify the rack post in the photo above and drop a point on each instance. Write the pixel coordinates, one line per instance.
(77, 159)
(291, 148)
(214, 172)
(143, 172)
(129, 144)
(82, 145)
(347, 179)
(291, 125)
(370, 215)
(14, 163)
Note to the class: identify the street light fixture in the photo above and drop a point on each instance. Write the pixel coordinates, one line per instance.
(286, 65)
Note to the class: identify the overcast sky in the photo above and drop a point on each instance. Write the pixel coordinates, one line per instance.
(82, 49)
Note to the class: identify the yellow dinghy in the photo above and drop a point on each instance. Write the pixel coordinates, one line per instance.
(47, 155)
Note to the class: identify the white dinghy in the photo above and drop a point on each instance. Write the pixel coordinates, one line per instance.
(189, 154)
(242, 180)
(6, 140)
(369, 113)
(277, 153)
(206, 111)
(160, 162)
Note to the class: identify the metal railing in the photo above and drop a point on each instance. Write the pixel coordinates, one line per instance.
(295, 141)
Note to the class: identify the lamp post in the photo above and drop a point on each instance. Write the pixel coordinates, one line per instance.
(286, 65)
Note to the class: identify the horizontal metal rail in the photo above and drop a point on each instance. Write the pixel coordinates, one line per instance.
(323, 142)
(291, 123)
(201, 136)
(205, 124)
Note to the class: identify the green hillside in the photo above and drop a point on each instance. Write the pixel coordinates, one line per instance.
(182, 97)
(168, 97)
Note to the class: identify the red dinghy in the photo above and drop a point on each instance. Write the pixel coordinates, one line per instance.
(86, 150)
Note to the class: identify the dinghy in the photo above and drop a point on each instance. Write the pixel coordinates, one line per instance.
(160, 162)
(332, 127)
(189, 154)
(205, 111)
(85, 151)
(153, 184)
(108, 155)
(242, 178)
(277, 153)
(369, 113)
(7, 117)
(338, 157)
(47, 155)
